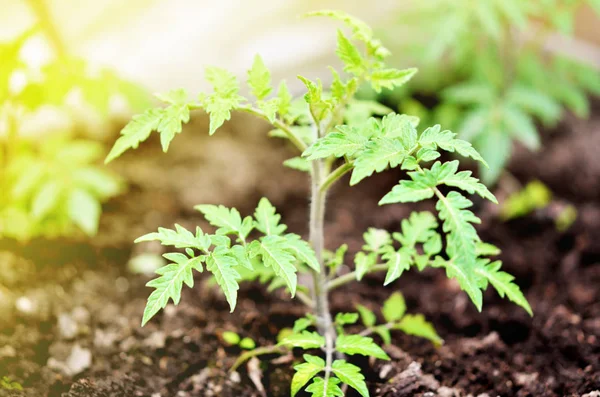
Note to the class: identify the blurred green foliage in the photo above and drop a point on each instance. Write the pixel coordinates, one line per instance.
(52, 183)
(498, 81)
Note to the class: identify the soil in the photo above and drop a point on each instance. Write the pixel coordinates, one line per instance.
(70, 310)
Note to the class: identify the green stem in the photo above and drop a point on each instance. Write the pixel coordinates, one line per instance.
(44, 18)
(349, 277)
(261, 351)
(277, 124)
(335, 175)
(305, 299)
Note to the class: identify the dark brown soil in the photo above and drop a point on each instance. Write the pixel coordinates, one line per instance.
(70, 311)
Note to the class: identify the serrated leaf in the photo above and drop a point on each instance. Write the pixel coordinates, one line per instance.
(269, 108)
(434, 137)
(390, 78)
(346, 318)
(84, 210)
(394, 307)
(376, 239)
(321, 389)
(319, 106)
(350, 56)
(521, 127)
(302, 251)
(503, 283)
(305, 372)
(466, 277)
(346, 141)
(358, 344)
(221, 264)
(259, 79)
(378, 155)
(415, 324)
(227, 220)
(351, 375)
(363, 263)
(241, 255)
(418, 228)
(366, 316)
(303, 340)
(178, 238)
(170, 282)
(285, 99)
(397, 262)
(137, 130)
(274, 254)
(223, 100)
(495, 146)
(267, 219)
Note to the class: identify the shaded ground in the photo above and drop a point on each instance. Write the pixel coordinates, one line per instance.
(70, 311)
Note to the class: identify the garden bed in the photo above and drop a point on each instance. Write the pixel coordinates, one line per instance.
(71, 312)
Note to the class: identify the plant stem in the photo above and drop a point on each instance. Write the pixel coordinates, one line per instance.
(277, 124)
(335, 175)
(256, 352)
(305, 299)
(349, 277)
(44, 18)
(370, 330)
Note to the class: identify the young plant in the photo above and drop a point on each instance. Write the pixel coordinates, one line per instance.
(496, 84)
(52, 185)
(334, 135)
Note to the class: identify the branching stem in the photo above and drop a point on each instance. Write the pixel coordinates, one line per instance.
(349, 277)
(335, 175)
(277, 124)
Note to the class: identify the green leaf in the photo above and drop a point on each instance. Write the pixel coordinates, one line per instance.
(221, 264)
(351, 375)
(228, 221)
(397, 262)
(376, 239)
(464, 273)
(378, 155)
(418, 228)
(384, 332)
(357, 344)
(521, 126)
(267, 219)
(321, 389)
(274, 254)
(223, 100)
(495, 146)
(434, 137)
(366, 316)
(84, 210)
(247, 344)
(350, 56)
(240, 253)
(361, 31)
(319, 106)
(231, 338)
(301, 324)
(304, 340)
(306, 371)
(363, 263)
(415, 324)
(46, 199)
(534, 102)
(439, 174)
(503, 283)
(394, 307)
(302, 251)
(178, 238)
(346, 318)
(298, 163)
(137, 130)
(169, 284)
(171, 123)
(285, 99)
(346, 141)
(390, 78)
(269, 108)
(259, 79)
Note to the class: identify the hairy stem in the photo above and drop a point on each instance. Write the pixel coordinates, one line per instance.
(277, 124)
(335, 175)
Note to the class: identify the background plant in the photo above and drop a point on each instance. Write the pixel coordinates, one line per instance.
(51, 183)
(334, 135)
(499, 80)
